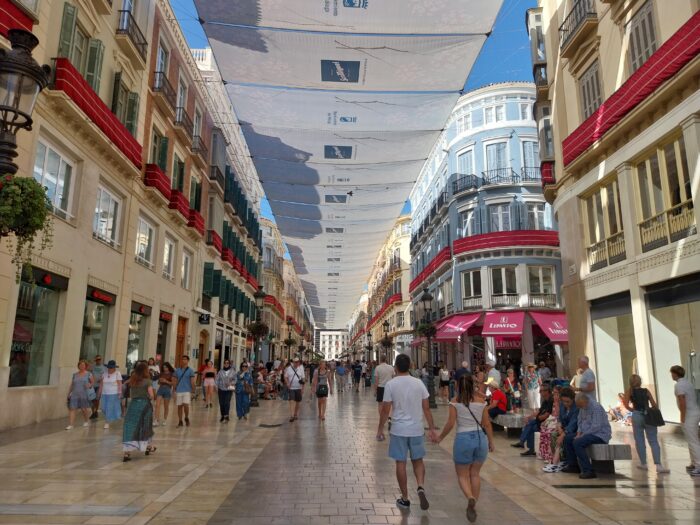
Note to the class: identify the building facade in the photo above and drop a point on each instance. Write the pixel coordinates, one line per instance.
(332, 343)
(124, 140)
(619, 113)
(273, 285)
(484, 241)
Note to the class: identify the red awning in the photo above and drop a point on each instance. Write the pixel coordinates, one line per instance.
(503, 323)
(455, 326)
(553, 324)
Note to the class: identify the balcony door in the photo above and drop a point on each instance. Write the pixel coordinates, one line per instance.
(162, 60)
(181, 95)
(496, 156)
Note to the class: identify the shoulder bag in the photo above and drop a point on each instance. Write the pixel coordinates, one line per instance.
(653, 416)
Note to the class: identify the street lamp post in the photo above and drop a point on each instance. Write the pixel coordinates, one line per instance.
(427, 300)
(21, 80)
(369, 345)
(259, 297)
(385, 326)
(290, 323)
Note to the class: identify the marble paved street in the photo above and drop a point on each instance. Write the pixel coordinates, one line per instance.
(269, 471)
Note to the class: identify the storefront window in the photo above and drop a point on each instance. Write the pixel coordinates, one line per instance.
(95, 327)
(137, 340)
(33, 335)
(616, 356)
(161, 343)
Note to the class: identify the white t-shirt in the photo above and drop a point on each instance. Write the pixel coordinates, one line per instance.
(364, 368)
(685, 388)
(109, 382)
(496, 375)
(406, 393)
(383, 374)
(444, 374)
(586, 379)
(292, 376)
(466, 421)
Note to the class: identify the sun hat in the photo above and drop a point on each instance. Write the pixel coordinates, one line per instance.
(112, 364)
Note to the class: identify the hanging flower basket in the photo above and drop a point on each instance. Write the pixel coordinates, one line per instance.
(290, 341)
(426, 330)
(386, 342)
(258, 329)
(24, 213)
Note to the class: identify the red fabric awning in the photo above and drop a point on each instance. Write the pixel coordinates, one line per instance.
(553, 324)
(455, 326)
(504, 323)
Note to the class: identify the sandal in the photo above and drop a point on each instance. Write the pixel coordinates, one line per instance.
(150, 450)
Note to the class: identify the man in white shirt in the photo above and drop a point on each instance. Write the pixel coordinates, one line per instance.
(294, 380)
(687, 401)
(493, 372)
(587, 380)
(407, 397)
(382, 375)
(544, 372)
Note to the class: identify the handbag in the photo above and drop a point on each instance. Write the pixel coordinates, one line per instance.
(322, 390)
(91, 394)
(653, 417)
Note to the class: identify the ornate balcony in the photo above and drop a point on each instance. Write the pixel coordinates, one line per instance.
(578, 24)
(531, 174)
(507, 300)
(183, 124)
(131, 40)
(200, 151)
(217, 180)
(500, 176)
(542, 300)
(472, 303)
(165, 96)
(606, 252)
(159, 181)
(465, 183)
(214, 239)
(179, 203)
(668, 226)
(196, 221)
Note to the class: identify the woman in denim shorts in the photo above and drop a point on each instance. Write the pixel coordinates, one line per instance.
(474, 439)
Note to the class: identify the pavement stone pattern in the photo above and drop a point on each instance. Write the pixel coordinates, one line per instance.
(267, 470)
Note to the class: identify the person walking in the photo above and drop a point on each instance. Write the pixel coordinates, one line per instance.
(81, 393)
(184, 388)
(532, 382)
(138, 422)
(341, 372)
(209, 378)
(294, 378)
(406, 398)
(225, 385)
(474, 439)
(154, 372)
(586, 383)
(444, 375)
(110, 393)
(382, 375)
(356, 375)
(164, 393)
(97, 369)
(637, 400)
(687, 402)
(322, 385)
(244, 388)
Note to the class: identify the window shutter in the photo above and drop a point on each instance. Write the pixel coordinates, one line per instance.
(196, 205)
(208, 283)
(223, 287)
(132, 113)
(163, 154)
(93, 71)
(65, 40)
(115, 92)
(548, 217)
(216, 283)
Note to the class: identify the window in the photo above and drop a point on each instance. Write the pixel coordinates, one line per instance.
(181, 94)
(606, 244)
(145, 238)
(531, 154)
(178, 180)
(105, 224)
(500, 113)
(468, 222)
(472, 283)
(488, 115)
(169, 251)
(85, 53)
(541, 279)
(525, 113)
(55, 173)
(162, 59)
(642, 37)
(545, 133)
(197, 129)
(186, 269)
(499, 215)
(195, 194)
(496, 156)
(159, 150)
(399, 319)
(464, 122)
(535, 216)
(589, 85)
(503, 280)
(494, 114)
(465, 162)
(125, 104)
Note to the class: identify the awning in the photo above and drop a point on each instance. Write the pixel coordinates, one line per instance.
(503, 323)
(553, 324)
(455, 326)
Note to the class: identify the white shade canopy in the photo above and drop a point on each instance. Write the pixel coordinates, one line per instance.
(340, 103)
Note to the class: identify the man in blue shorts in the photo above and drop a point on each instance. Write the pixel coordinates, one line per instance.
(406, 398)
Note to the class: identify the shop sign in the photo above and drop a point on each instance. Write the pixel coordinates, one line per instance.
(139, 308)
(100, 296)
(166, 316)
(204, 318)
(503, 343)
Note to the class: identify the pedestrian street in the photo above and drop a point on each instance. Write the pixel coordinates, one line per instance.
(269, 471)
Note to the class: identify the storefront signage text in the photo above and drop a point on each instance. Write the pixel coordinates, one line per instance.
(105, 298)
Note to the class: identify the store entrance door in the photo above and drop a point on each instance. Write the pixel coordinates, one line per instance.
(181, 339)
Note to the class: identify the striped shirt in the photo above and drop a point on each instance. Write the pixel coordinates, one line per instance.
(594, 420)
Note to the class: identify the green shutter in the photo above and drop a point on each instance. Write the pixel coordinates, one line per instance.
(132, 113)
(223, 283)
(93, 72)
(224, 235)
(163, 154)
(207, 285)
(115, 92)
(216, 283)
(65, 40)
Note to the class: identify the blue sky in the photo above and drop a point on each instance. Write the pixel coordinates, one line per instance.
(505, 55)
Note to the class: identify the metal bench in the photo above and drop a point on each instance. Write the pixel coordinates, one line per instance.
(511, 423)
(603, 456)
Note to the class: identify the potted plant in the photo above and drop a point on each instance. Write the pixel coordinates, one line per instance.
(258, 329)
(426, 330)
(24, 214)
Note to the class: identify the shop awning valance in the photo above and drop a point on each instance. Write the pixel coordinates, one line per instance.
(504, 323)
(553, 325)
(455, 326)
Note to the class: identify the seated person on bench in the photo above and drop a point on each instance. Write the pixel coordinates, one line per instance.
(498, 399)
(593, 428)
(534, 421)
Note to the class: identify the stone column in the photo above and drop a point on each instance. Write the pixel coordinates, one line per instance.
(691, 137)
(640, 320)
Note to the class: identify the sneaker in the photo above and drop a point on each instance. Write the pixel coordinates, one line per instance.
(642, 466)
(163, 423)
(551, 468)
(660, 469)
(403, 504)
(424, 505)
(517, 445)
(106, 427)
(86, 424)
(471, 510)
(69, 427)
(695, 473)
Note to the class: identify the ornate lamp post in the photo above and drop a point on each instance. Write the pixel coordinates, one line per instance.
(369, 345)
(290, 323)
(259, 297)
(427, 299)
(386, 342)
(21, 80)
(301, 346)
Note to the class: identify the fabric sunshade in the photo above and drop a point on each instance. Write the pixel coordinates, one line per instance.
(553, 325)
(503, 323)
(455, 326)
(340, 104)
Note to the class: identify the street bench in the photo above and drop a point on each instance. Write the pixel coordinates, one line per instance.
(603, 457)
(511, 423)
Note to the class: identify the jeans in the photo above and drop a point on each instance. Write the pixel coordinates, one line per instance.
(225, 402)
(690, 429)
(640, 428)
(495, 411)
(576, 447)
(242, 404)
(527, 435)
